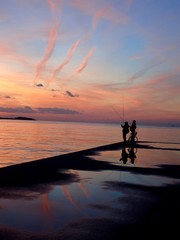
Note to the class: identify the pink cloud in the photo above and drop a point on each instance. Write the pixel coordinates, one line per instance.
(49, 49)
(82, 65)
(85, 61)
(54, 4)
(144, 70)
(158, 95)
(95, 9)
(156, 98)
(10, 53)
(99, 15)
(68, 58)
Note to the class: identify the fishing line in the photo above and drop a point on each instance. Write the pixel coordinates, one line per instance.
(123, 107)
(122, 115)
(117, 112)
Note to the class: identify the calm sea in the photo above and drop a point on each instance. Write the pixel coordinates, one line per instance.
(22, 141)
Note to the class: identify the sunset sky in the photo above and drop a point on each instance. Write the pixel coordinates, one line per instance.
(90, 60)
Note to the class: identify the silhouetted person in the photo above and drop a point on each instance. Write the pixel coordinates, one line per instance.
(124, 156)
(125, 130)
(133, 130)
(132, 155)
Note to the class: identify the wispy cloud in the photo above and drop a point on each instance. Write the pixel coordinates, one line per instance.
(25, 109)
(95, 9)
(54, 4)
(143, 71)
(82, 65)
(66, 61)
(28, 109)
(85, 60)
(99, 15)
(9, 52)
(49, 49)
(56, 111)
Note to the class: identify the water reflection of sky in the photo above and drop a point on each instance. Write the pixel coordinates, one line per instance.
(98, 194)
(144, 157)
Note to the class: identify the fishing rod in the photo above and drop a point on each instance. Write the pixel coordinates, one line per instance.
(122, 115)
(117, 113)
(123, 108)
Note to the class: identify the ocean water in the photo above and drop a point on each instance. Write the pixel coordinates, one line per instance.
(22, 141)
(71, 206)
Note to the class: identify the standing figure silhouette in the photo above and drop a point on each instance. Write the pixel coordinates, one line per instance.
(133, 130)
(125, 130)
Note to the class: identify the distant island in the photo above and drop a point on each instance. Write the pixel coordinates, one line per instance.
(18, 118)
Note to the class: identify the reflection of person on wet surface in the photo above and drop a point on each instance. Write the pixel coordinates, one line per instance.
(132, 155)
(133, 130)
(124, 156)
(125, 130)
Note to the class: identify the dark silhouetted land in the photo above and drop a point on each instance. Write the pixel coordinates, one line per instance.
(18, 118)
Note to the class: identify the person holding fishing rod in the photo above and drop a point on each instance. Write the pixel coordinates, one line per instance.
(125, 130)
